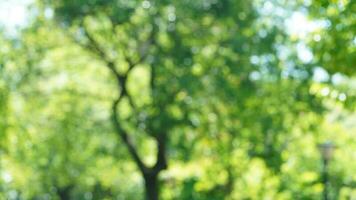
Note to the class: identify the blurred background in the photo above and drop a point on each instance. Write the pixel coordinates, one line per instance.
(177, 99)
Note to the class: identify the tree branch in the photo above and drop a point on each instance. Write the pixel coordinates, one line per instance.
(121, 79)
(124, 135)
(161, 162)
(143, 51)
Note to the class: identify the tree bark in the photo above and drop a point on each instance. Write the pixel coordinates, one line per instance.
(151, 186)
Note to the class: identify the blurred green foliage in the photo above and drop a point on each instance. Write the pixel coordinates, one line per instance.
(335, 42)
(221, 82)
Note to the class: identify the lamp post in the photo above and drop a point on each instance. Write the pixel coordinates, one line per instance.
(326, 150)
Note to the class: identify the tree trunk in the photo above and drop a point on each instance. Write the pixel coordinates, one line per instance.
(151, 186)
(64, 193)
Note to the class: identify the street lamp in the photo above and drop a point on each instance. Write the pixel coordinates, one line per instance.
(326, 150)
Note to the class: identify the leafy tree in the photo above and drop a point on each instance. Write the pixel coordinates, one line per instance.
(208, 99)
(158, 38)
